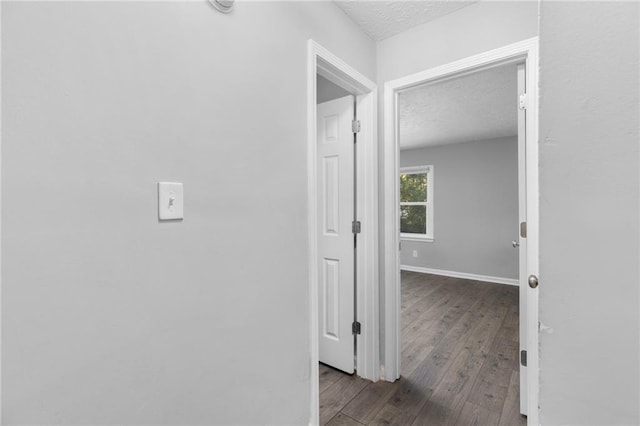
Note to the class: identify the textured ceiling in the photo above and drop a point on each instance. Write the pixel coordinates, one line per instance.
(478, 106)
(382, 19)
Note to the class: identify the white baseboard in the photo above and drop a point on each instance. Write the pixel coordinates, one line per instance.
(486, 278)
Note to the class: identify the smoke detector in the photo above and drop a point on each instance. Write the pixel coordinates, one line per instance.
(224, 6)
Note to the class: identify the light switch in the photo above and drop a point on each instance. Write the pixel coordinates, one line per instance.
(170, 201)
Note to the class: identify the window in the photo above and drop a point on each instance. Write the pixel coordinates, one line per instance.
(416, 203)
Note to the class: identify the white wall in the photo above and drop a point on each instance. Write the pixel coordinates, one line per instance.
(483, 26)
(109, 317)
(474, 29)
(589, 190)
(328, 91)
(475, 208)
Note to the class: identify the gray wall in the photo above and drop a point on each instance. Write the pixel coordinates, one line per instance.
(589, 189)
(328, 91)
(475, 29)
(475, 208)
(109, 317)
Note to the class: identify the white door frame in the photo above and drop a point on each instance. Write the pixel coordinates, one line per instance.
(323, 62)
(526, 51)
(0, 215)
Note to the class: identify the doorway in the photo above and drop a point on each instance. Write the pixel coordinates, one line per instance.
(520, 53)
(355, 338)
(459, 247)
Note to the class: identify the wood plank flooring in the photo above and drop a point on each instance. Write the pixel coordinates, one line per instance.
(459, 361)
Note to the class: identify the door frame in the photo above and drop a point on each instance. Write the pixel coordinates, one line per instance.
(321, 61)
(525, 51)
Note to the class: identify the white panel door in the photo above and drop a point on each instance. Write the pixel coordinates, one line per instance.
(335, 170)
(522, 217)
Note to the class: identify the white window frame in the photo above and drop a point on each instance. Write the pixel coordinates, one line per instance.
(428, 170)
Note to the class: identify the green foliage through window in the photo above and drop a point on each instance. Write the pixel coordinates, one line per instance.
(413, 219)
(413, 187)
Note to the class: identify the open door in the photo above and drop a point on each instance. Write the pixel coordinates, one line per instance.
(522, 232)
(335, 238)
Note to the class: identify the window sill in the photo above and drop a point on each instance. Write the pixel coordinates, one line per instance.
(422, 238)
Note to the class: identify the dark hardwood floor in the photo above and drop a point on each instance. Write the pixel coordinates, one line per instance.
(459, 361)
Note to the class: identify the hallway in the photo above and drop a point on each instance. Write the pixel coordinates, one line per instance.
(459, 361)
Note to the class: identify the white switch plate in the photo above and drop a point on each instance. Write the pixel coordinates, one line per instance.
(170, 201)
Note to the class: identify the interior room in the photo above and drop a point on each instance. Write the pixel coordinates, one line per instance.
(466, 131)
(200, 213)
(459, 233)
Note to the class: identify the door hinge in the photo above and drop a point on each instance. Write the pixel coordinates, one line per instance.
(522, 101)
(355, 126)
(355, 227)
(523, 358)
(523, 229)
(355, 327)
